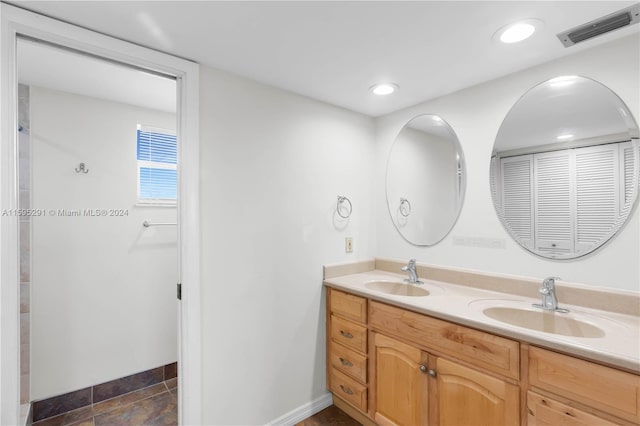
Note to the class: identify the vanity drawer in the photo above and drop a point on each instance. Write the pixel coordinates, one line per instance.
(349, 390)
(349, 362)
(349, 334)
(484, 350)
(544, 411)
(612, 391)
(349, 306)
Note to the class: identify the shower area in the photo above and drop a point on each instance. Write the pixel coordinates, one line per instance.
(98, 240)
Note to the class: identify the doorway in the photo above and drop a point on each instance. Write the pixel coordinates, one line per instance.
(97, 174)
(17, 23)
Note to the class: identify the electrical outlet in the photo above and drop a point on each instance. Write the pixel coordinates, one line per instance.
(348, 245)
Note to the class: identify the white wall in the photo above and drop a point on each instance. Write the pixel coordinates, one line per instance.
(475, 114)
(103, 300)
(273, 164)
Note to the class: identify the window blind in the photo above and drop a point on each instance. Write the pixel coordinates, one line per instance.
(157, 159)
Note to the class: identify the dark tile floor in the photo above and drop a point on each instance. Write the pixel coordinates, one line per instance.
(157, 405)
(153, 405)
(329, 416)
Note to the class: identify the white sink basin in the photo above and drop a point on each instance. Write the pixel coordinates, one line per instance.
(397, 288)
(522, 314)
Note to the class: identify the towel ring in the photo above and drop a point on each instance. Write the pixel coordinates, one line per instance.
(344, 204)
(405, 207)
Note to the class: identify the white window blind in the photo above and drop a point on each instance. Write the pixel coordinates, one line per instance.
(157, 159)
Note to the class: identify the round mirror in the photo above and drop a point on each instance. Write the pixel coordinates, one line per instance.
(564, 167)
(425, 180)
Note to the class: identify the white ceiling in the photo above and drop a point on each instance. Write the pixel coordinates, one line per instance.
(334, 51)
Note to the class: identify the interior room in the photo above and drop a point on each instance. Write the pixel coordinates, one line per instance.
(376, 213)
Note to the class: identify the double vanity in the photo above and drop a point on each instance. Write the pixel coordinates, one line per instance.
(465, 347)
(471, 348)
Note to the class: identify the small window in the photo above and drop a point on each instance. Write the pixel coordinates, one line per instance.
(157, 158)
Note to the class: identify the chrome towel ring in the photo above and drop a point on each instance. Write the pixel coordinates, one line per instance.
(344, 207)
(405, 207)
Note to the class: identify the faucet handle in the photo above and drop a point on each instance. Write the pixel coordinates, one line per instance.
(409, 266)
(550, 282)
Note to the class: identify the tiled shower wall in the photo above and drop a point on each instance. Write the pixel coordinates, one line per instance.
(24, 184)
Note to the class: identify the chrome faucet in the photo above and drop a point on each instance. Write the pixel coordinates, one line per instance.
(549, 298)
(413, 273)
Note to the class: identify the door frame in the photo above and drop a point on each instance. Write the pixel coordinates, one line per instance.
(16, 22)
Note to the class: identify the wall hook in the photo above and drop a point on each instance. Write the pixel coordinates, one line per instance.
(82, 169)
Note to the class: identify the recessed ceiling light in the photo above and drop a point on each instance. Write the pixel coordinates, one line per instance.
(383, 89)
(518, 31)
(564, 137)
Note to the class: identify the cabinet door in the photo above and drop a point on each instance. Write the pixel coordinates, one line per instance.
(401, 394)
(464, 396)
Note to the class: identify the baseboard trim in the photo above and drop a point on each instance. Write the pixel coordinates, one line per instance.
(307, 410)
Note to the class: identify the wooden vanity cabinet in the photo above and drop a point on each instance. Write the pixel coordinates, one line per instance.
(397, 367)
(589, 387)
(421, 383)
(347, 348)
(415, 388)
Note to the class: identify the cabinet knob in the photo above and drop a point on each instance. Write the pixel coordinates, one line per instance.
(423, 368)
(432, 373)
(346, 334)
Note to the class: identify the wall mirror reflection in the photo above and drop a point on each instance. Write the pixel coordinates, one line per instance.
(564, 167)
(425, 180)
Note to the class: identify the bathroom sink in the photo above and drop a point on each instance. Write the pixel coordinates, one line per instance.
(548, 322)
(522, 314)
(397, 288)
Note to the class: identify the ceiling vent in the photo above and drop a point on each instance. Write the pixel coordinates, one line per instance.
(620, 19)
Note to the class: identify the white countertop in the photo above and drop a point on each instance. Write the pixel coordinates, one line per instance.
(619, 345)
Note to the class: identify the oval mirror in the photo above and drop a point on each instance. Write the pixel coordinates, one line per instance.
(564, 167)
(425, 180)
